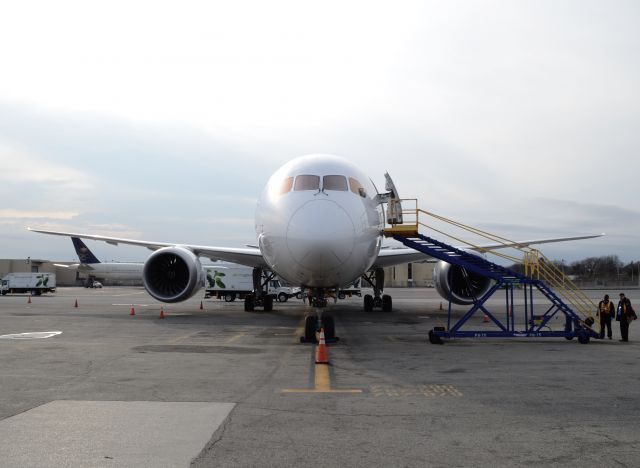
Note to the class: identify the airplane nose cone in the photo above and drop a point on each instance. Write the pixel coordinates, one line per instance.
(321, 235)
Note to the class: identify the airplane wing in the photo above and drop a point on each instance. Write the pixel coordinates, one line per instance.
(245, 256)
(390, 257)
(251, 256)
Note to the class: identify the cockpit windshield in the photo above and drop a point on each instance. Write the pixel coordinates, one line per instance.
(334, 182)
(338, 183)
(307, 182)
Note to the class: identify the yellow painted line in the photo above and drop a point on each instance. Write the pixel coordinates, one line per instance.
(322, 383)
(179, 339)
(235, 337)
(322, 379)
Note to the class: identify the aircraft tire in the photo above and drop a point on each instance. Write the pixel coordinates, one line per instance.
(329, 327)
(310, 329)
(583, 337)
(249, 304)
(387, 303)
(368, 303)
(434, 339)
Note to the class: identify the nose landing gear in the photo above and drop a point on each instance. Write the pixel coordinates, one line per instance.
(313, 323)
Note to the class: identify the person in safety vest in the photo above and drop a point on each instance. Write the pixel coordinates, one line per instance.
(625, 315)
(605, 311)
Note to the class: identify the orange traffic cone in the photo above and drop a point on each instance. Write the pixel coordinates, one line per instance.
(161, 313)
(485, 318)
(440, 305)
(133, 311)
(201, 305)
(76, 304)
(29, 300)
(322, 357)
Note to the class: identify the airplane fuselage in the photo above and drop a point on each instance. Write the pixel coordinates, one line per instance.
(318, 223)
(114, 271)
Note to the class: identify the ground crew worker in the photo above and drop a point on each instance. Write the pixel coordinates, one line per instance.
(605, 311)
(625, 315)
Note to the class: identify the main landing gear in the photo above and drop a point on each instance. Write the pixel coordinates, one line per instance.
(313, 323)
(379, 301)
(259, 296)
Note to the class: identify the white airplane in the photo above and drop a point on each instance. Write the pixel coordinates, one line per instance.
(319, 225)
(91, 268)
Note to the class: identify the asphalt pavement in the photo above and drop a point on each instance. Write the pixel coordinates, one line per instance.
(224, 387)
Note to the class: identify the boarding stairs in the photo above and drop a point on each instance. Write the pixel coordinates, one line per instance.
(538, 274)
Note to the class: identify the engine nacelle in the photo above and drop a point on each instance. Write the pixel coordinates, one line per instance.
(172, 274)
(459, 285)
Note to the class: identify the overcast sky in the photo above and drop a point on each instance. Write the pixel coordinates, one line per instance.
(163, 120)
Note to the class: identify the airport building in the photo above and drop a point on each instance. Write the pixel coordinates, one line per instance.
(64, 276)
(419, 275)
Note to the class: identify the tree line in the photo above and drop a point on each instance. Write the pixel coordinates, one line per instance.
(608, 269)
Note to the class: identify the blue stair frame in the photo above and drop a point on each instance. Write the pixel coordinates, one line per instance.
(504, 278)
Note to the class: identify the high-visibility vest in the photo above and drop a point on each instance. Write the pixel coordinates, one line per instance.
(605, 308)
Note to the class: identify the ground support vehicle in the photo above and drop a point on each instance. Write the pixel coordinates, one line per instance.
(28, 283)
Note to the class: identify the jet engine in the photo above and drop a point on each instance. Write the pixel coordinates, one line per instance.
(461, 286)
(172, 274)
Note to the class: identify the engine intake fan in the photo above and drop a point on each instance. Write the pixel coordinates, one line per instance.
(172, 274)
(459, 285)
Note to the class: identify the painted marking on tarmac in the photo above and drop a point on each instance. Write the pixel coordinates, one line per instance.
(322, 378)
(130, 294)
(322, 381)
(179, 339)
(235, 337)
(129, 305)
(30, 335)
(415, 390)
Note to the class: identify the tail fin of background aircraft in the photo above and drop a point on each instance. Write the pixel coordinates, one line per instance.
(84, 254)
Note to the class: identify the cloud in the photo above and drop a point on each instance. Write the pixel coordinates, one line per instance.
(518, 117)
(17, 214)
(21, 166)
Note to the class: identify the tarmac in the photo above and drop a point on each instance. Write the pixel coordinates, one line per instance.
(95, 386)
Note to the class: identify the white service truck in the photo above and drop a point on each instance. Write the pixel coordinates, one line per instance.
(231, 282)
(34, 283)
